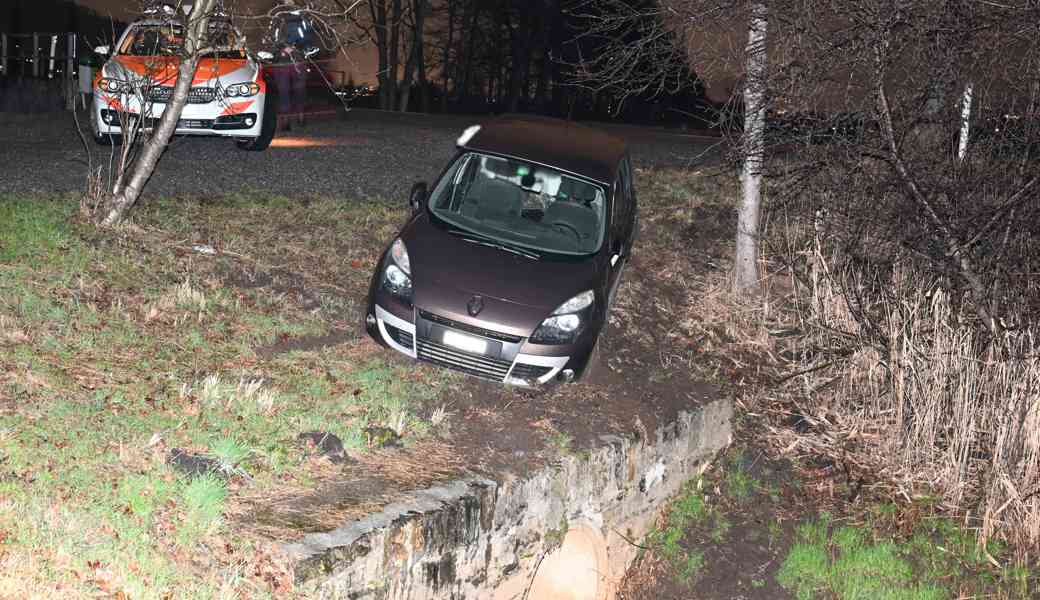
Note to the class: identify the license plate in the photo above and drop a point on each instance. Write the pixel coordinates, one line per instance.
(465, 343)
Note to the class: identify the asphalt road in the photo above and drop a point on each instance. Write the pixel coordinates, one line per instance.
(366, 154)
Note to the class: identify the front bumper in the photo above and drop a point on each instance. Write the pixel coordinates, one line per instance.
(427, 337)
(240, 119)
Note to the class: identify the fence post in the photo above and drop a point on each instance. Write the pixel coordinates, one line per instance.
(72, 91)
(50, 63)
(3, 54)
(36, 54)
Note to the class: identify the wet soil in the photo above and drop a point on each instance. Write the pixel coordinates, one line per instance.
(306, 342)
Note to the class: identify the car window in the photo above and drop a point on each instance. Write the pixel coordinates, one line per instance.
(521, 203)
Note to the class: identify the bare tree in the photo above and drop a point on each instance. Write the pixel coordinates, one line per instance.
(911, 138)
(130, 183)
(656, 46)
(746, 264)
(903, 146)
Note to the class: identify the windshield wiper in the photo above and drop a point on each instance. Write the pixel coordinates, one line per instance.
(500, 246)
(475, 237)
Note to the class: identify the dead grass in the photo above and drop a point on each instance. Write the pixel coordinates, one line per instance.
(936, 418)
(940, 409)
(883, 373)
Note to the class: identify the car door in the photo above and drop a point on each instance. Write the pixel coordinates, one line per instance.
(632, 216)
(620, 231)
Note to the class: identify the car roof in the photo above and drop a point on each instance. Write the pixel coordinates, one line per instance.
(553, 142)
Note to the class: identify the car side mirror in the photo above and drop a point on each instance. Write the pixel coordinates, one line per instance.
(417, 197)
(265, 56)
(102, 50)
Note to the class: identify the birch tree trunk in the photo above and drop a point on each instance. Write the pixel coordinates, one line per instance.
(962, 143)
(195, 39)
(746, 277)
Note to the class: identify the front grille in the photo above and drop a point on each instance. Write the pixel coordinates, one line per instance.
(399, 335)
(502, 337)
(480, 366)
(522, 371)
(197, 95)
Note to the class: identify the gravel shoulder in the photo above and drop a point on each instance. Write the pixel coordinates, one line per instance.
(364, 154)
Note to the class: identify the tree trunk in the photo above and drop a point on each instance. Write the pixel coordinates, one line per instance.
(446, 61)
(377, 9)
(517, 43)
(471, 33)
(125, 196)
(746, 260)
(394, 62)
(419, 11)
(405, 90)
(962, 143)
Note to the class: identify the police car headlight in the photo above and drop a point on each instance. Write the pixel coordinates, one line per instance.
(113, 86)
(246, 89)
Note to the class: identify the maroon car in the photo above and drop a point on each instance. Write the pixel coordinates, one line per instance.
(507, 268)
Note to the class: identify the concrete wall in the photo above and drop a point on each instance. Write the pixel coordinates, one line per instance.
(482, 538)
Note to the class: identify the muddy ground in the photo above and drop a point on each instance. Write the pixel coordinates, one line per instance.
(495, 430)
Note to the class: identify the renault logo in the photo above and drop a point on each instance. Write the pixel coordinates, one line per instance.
(475, 305)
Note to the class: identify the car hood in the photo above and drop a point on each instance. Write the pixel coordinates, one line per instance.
(162, 70)
(517, 292)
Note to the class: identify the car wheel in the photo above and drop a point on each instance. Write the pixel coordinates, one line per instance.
(102, 139)
(267, 127)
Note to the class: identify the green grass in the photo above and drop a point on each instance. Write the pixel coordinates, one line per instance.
(116, 347)
(687, 512)
(939, 560)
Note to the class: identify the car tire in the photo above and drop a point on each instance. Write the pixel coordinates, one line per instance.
(267, 128)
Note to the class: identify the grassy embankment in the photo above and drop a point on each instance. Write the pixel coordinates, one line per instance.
(117, 347)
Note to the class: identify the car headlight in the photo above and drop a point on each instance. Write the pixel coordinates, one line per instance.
(397, 272)
(113, 86)
(245, 89)
(566, 322)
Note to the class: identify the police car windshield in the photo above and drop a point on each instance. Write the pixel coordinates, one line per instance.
(168, 40)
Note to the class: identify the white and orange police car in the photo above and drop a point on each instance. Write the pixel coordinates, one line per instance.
(228, 95)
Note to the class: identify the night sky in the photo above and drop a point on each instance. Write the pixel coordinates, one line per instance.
(120, 9)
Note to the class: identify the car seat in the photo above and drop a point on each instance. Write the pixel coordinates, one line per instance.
(581, 218)
(494, 199)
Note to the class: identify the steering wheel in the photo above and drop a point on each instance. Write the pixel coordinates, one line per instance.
(568, 228)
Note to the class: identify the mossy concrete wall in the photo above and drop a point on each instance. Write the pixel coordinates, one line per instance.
(486, 538)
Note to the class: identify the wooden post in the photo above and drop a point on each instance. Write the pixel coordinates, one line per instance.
(72, 91)
(50, 62)
(36, 54)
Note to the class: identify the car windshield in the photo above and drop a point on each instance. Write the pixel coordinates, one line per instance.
(168, 39)
(521, 204)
